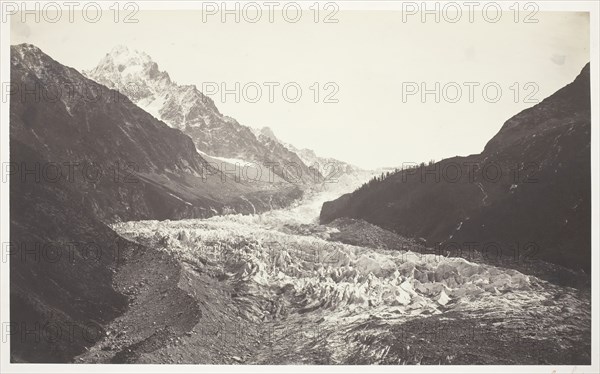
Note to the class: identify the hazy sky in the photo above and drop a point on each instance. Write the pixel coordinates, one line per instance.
(368, 55)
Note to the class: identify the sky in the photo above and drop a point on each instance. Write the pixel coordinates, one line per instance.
(371, 67)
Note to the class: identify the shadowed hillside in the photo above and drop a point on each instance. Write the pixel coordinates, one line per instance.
(527, 195)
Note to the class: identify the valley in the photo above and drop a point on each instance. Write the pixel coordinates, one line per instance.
(222, 244)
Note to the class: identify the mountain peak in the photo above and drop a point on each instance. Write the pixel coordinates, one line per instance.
(132, 71)
(268, 132)
(26, 47)
(534, 121)
(119, 49)
(123, 57)
(25, 50)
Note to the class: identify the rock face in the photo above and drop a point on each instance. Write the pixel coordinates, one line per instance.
(184, 107)
(527, 195)
(83, 155)
(329, 168)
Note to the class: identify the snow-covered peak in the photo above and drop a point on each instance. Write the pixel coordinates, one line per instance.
(124, 66)
(122, 55)
(119, 49)
(184, 107)
(138, 77)
(132, 72)
(266, 131)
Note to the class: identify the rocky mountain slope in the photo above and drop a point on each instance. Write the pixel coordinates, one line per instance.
(184, 107)
(54, 280)
(330, 168)
(527, 195)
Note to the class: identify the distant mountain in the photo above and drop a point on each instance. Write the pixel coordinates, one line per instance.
(529, 188)
(184, 107)
(85, 156)
(329, 168)
(265, 132)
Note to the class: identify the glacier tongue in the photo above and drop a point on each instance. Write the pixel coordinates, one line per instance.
(296, 279)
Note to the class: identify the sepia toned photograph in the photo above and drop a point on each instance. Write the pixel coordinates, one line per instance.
(242, 186)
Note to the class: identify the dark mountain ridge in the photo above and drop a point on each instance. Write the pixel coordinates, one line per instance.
(527, 195)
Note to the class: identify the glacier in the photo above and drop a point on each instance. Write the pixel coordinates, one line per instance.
(318, 295)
